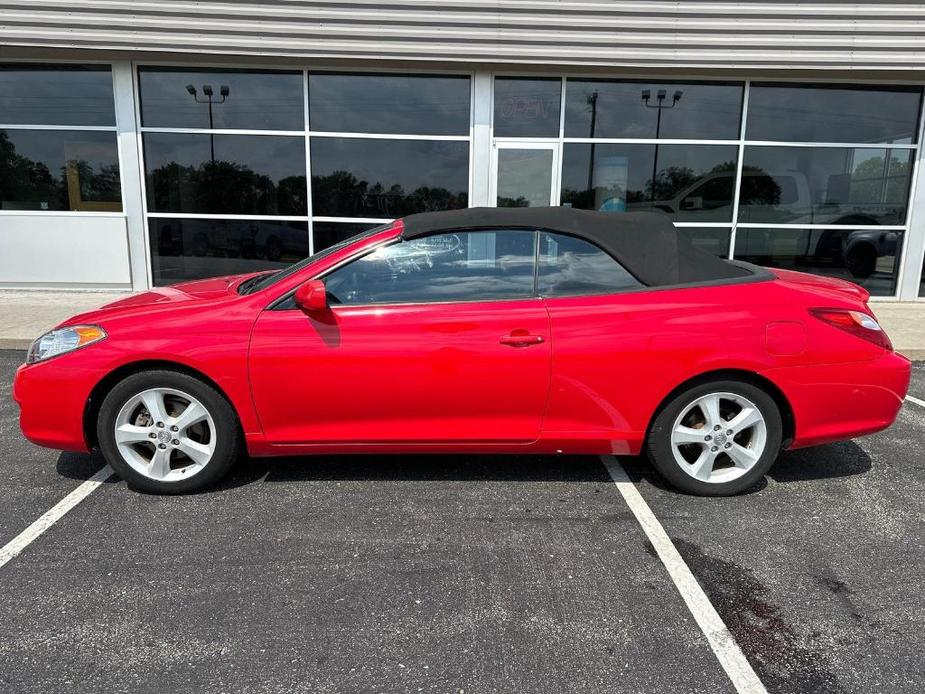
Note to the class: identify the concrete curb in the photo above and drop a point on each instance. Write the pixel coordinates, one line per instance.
(13, 343)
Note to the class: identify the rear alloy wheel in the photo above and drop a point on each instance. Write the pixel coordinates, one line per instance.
(717, 438)
(167, 432)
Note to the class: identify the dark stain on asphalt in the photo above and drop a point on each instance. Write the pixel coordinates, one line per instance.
(773, 647)
(841, 591)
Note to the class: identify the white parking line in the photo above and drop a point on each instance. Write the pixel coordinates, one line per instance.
(727, 651)
(52, 515)
(920, 403)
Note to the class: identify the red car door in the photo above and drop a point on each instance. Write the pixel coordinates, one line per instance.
(428, 341)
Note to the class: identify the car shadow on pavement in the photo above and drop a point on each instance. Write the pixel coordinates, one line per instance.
(842, 459)
(81, 466)
(426, 467)
(821, 462)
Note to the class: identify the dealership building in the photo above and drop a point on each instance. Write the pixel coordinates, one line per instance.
(143, 144)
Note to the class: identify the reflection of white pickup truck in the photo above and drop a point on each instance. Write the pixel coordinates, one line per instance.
(786, 198)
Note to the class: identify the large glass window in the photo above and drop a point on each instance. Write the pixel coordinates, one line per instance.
(48, 160)
(232, 99)
(713, 240)
(922, 283)
(524, 177)
(815, 113)
(184, 249)
(869, 257)
(59, 170)
(327, 234)
(825, 185)
(569, 266)
(404, 149)
(527, 107)
(225, 174)
(687, 182)
(637, 109)
(385, 178)
(56, 95)
(397, 104)
(463, 266)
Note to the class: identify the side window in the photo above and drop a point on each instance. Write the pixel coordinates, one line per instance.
(570, 266)
(461, 266)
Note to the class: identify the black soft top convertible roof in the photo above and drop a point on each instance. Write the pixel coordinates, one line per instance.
(646, 243)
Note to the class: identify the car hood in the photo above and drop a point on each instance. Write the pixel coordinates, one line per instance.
(198, 292)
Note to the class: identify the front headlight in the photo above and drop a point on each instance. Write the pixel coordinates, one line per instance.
(63, 340)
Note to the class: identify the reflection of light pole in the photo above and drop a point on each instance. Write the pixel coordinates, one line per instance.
(224, 91)
(660, 96)
(592, 102)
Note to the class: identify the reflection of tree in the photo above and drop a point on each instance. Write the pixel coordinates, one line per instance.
(758, 187)
(225, 187)
(880, 180)
(513, 202)
(100, 184)
(22, 179)
(341, 193)
(668, 182)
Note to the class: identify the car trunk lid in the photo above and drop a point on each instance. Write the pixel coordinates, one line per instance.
(829, 286)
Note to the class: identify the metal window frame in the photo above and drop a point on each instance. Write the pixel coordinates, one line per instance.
(481, 140)
(114, 128)
(306, 134)
(905, 263)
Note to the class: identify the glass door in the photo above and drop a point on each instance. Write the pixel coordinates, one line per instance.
(524, 174)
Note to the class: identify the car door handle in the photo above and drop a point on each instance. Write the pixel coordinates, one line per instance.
(521, 340)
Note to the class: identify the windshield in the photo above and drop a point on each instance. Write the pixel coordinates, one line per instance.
(261, 282)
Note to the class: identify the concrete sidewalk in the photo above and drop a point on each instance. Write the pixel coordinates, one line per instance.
(24, 315)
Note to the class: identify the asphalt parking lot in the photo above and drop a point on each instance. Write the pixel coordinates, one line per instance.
(463, 574)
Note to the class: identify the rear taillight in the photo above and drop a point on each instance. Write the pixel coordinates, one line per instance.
(857, 323)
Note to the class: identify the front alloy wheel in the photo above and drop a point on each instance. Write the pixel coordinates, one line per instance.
(717, 438)
(165, 434)
(168, 432)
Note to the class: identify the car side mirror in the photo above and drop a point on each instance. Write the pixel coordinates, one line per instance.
(312, 297)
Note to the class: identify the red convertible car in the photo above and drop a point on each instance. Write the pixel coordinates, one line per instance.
(483, 330)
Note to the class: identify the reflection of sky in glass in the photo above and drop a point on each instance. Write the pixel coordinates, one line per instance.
(806, 114)
(56, 96)
(397, 104)
(447, 267)
(705, 111)
(527, 107)
(49, 147)
(260, 100)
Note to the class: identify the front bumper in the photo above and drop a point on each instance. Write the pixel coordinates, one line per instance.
(52, 398)
(834, 402)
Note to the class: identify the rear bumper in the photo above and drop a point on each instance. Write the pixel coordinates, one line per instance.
(833, 402)
(52, 402)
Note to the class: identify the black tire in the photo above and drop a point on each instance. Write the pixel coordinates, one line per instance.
(862, 261)
(228, 442)
(659, 448)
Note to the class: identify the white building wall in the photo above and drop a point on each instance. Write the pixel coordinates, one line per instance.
(873, 41)
(880, 36)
